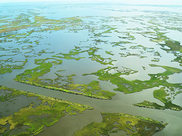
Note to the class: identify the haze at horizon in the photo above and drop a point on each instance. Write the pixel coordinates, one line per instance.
(154, 2)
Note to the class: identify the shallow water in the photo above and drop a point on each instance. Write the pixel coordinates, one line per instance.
(175, 35)
(128, 21)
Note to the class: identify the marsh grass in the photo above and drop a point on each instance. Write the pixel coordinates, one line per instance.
(161, 95)
(40, 116)
(31, 76)
(114, 122)
(7, 68)
(133, 86)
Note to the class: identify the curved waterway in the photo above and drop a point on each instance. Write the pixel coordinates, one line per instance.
(120, 103)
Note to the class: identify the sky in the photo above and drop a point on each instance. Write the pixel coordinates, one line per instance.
(153, 2)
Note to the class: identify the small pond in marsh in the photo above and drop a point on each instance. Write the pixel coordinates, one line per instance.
(120, 63)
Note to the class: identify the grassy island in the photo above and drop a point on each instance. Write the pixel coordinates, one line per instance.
(163, 97)
(31, 76)
(35, 116)
(133, 86)
(128, 124)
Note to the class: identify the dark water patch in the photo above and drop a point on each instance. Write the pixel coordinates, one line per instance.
(12, 104)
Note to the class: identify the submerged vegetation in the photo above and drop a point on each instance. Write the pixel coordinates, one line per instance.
(35, 116)
(128, 124)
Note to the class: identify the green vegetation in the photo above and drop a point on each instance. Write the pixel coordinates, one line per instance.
(178, 59)
(114, 122)
(120, 43)
(7, 68)
(43, 52)
(92, 90)
(101, 60)
(2, 129)
(163, 97)
(98, 58)
(160, 95)
(148, 104)
(147, 49)
(37, 116)
(155, 60)
(31, 76)
(169, 70)
(141, 50)
(91, 52)
(133, 86)
(23, 22)
(131, 54)
(109, 30)
(169, 45)
(26, 31)
(26, 35)
(173, 46)
(160, 37)
(109, 52)
(73, 52)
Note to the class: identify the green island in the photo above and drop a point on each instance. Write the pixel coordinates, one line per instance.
(98, 58)
(73, 52)
(120, 43)
(31, 76)
(109, 29)
(173, 46)
(104, 61)
(7, 68)
(35, 116)
(109, 52)
(133, 86)
(143, 52)
(22, 21)
(128, 124)
(163, 97)
(91, 52)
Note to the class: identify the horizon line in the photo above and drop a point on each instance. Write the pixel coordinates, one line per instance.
(82, 2)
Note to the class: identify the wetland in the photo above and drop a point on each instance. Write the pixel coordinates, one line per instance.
(90, 69)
